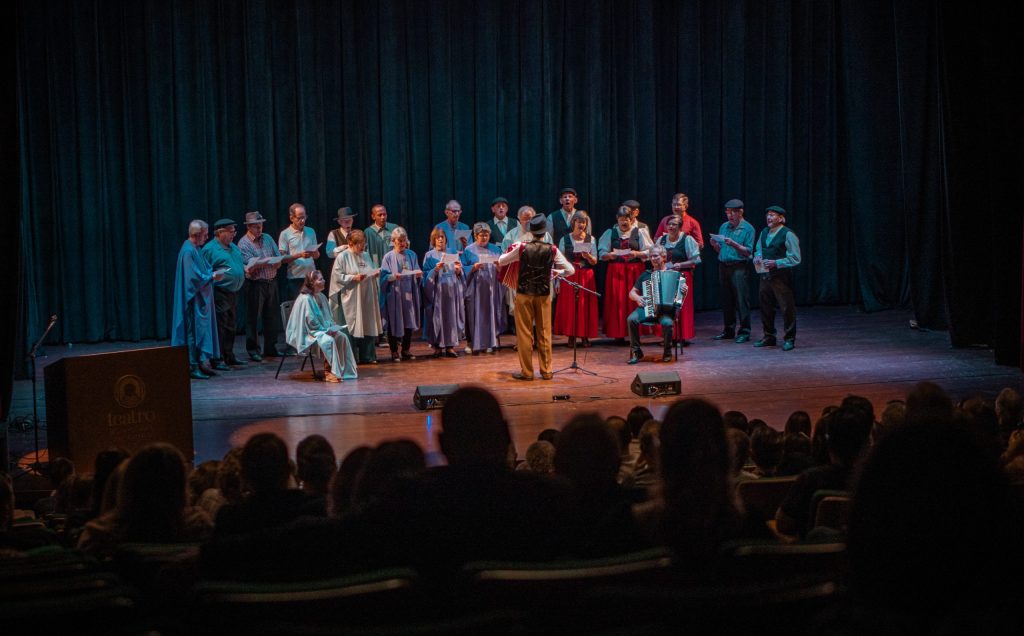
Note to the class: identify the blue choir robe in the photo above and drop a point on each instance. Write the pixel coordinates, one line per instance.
(193, 299)
(310, 324)
(401, 299)
(485, 298)
(444, 314)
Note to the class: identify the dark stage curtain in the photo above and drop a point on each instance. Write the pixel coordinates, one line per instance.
(135, 117)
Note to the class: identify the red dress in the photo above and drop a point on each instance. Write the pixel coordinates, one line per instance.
(619, 279)
(684, 329)
(586, 318)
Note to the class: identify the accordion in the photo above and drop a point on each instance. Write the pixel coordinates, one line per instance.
(662, 294)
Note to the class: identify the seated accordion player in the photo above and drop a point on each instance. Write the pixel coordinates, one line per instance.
(663, 293)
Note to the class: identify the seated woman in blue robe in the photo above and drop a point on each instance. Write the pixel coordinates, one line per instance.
(310, 323)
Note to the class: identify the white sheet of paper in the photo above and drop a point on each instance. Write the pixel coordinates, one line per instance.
(449, 259)
(267, 260)
(717, 238)
(410, 272)
(487, 258)
(582, 247)
(622, 252)
(759, 266)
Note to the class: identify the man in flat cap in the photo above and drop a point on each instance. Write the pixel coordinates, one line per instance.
(500, 224)
(533, 262)
(223, 255)
(558, 221)
(194, 322)
(776, 253)
(297, 243)
(634, 212)
(261, 296)
(734, 244)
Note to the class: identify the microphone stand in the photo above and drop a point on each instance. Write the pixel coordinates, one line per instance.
(576, 287)
(36, 464)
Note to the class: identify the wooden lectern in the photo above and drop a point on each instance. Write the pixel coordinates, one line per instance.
(126, 399)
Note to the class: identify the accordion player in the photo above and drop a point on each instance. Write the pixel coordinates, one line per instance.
(663, 293)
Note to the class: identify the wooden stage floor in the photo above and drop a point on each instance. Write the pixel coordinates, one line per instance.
(839, 351)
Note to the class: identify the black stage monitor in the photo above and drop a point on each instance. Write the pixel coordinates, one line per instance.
(657, 384)
(432, 396)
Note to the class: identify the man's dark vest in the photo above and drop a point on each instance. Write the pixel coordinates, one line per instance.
(559, 226)
(535, 269)
(339, 238)
(497, 236)
(776, 249)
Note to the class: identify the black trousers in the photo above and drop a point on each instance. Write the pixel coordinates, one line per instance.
(261, 301)
(406, 341)
(734, 280)
(226, 305)
(776, 290)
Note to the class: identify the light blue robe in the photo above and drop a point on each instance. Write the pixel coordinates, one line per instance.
(310, 324)
(193, 303)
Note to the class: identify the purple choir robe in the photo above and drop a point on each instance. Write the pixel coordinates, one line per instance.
(401, 299)
(444, 315)
(485, 298)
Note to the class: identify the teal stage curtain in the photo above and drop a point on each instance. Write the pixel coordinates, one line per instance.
(136, 116)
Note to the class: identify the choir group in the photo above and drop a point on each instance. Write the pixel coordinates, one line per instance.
(379, 287)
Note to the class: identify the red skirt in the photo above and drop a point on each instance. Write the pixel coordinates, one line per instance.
(619, 279)
(586, 320)
(684, 323)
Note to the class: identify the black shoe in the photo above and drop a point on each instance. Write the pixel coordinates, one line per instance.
(788, 345)
(220, 366)
(196, 374)
(450, 353)
(235, 362)
(636, 355)
(586, 343)
(725, 335)
(207, 370)
(666, 355)
(767, 341)
(743, 337)
(408, 356)
(687, 343)
(255, 357)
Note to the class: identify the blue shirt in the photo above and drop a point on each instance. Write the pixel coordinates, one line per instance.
(229, 258)
(742, 234)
